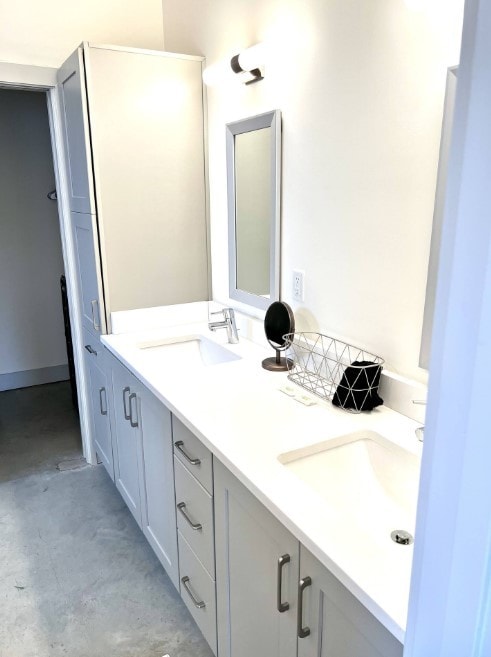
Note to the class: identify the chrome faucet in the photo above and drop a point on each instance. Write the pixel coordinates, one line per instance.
(420, 431)
(228, 322)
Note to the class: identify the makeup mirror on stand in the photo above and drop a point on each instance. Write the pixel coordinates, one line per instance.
(279, 321)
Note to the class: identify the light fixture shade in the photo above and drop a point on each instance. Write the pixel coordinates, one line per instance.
(252, 57)
(248, 66)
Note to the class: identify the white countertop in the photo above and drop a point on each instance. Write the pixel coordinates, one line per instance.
(238, 412)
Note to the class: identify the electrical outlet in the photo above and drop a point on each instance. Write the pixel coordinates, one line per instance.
(297, 288)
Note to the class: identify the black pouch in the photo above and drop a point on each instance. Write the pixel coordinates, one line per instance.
(358, 388)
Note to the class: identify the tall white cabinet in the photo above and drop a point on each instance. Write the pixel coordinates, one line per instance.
(134, 142)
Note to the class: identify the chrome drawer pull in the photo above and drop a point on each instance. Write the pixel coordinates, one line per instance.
(281, 606)
(91, 350)
(126, 414)
(103, 390)
(134, 423)
(302, 632)
(96, 323)
(199, 604)
(194, 525)
(179, 446)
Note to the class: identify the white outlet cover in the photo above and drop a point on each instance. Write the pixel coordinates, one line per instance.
(298, 285)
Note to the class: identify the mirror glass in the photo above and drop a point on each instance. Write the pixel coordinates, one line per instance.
(253, 146)
(252, 172)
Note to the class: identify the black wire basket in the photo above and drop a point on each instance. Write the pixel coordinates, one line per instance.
(319, 364)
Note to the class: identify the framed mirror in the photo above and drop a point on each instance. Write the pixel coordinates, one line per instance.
(253, 181)
(436, 233)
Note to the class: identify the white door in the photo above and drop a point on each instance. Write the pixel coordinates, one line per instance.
(157, 482)
(100, 410)
(96, 368)
(127, 437)
(88, 268)
(71, 88)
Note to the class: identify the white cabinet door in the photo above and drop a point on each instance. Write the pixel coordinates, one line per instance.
(143, 463)
(127, 437)
(100, 398)
(335, 623)
(256, 594)
(88, 270)
(71, 88)
(157, 481)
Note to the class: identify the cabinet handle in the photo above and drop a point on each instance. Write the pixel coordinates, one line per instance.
(281, 606)
(103, 390)
(199, 604)
(95, 304)
(179, 446)
(134, 423)
(302, 632)
(194, 525)
(126, 414)
(91, 350)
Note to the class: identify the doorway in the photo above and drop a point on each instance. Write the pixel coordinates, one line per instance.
(34, 372)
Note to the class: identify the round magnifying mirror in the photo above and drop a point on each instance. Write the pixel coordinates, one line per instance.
(279, 321)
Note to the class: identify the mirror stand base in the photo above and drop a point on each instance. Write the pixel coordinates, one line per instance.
(277, 364)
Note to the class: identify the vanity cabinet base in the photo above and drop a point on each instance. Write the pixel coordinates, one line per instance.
(249, 584)
(274, 599)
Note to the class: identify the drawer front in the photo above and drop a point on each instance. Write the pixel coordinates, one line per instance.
(198, 592)
(194, 507)
(191, 451)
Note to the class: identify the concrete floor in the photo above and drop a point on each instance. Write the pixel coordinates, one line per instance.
(77, 577)
(38, 429)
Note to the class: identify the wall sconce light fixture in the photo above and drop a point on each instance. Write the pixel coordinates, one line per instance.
(248, 65)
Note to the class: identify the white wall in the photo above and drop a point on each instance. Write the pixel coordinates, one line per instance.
(45, 33)
(360, 84)
(31, 316)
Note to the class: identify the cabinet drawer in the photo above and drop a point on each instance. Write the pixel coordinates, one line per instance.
(191, 451)
(198, 592)
(195, 516)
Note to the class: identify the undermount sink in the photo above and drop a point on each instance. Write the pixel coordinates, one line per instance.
(184, 351)
(365, 476)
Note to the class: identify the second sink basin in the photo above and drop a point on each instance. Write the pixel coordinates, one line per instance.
(367, 477)
(189, 350)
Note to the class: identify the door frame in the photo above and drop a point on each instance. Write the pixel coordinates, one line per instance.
(37, 78)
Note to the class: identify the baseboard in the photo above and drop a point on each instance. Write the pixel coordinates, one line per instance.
(37, 377)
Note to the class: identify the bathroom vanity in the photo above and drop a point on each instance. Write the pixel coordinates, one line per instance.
(205, 451)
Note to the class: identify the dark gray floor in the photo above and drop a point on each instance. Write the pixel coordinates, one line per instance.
(77, 577)
(38, 429)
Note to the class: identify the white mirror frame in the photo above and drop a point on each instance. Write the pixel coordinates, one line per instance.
(266, 120)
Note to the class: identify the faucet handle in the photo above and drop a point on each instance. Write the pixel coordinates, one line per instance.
(421, 402)
(225, 312)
